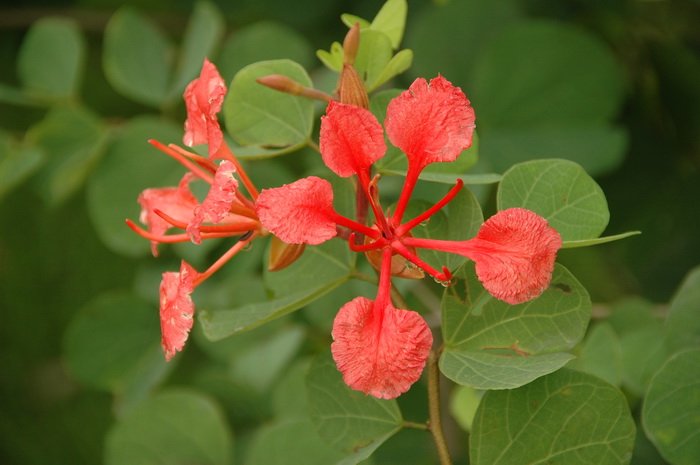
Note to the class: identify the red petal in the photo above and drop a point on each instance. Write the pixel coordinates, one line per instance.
(380, 351)
(176, 202)
(204, 97)
(176, 309)
(514, 254)
(351, 139)
(430, 123)
(218, 200)
(300, 212)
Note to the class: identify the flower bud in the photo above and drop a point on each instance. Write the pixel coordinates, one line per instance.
(283, 254)
(351, 88)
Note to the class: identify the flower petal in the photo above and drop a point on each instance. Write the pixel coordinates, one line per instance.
(380, 351)
(218, 201)
(177, 202)
(176, 309)
(351, 139)
(430, 123)
(204, 97)
(514, 253)
(300, 212)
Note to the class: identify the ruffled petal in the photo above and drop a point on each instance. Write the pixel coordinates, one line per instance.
(218, 201)
(177, 202)
(380, 351)
(300, 212)
(351, 139)
(204, 97)
(430, 123)
(176, 309)
(514, 253)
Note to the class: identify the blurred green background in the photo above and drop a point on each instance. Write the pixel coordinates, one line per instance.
(613, 85)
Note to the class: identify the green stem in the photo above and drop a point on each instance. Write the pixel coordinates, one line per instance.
(435, 423)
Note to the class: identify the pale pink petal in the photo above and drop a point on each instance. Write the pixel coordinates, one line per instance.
(177, 202)
(351, 139)
(176, 309)
(300, 212)
(514, 254)
(218, 201)
(430, 123)
(380, 351)
(204, 97)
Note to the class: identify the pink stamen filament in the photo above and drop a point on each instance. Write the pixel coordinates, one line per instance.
(174, 238)
(401, 249)
(378, 243)
(187, 163)
(408, 186)
(230, 253)
(404, 228)
(363, 178)
(355, 226)
(237, 227)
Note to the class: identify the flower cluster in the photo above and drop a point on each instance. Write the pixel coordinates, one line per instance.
(380, 349)
(225, 208)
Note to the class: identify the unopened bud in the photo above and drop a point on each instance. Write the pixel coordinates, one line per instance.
(351, 44)
(290, 86)
(283, 254)
(352, 89)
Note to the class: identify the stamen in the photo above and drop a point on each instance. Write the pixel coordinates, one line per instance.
(404, 228)
(230, 253)
(402, 250)
(225, 152)
(186, 162)
(238, 227)
(172, 238)
(377, 244)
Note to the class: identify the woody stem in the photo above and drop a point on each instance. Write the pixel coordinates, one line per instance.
(435, 423)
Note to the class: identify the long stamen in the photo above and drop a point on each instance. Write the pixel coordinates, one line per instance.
(404, 228)
(408, 186)
(363, 178)
(175, 238)
(355, 226)
(401, 249)
(230, 253)
(186, 162)
(238, 227)
(377, 244)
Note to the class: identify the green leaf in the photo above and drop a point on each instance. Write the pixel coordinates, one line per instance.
(265, 40)
(397, 65)
(683, 324)
(391, 21)
(203, 32)
(599, 240)
(373, 56)
(601, 355)
(463, 404)
(291, 443)
(130, 166)
(350, 20)
(546, 89)
(490, 344)
(137, 58)
(643, 353)
(560, 191)
(332, 59)
(113, 344)
(223, 323)
(265, 118)
(566, 417)
(347, 419)
(16, 163)
(51, 60)
(671, 412)
(175, 427)
(72, 139)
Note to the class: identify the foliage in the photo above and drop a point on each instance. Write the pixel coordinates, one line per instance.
(568, 100)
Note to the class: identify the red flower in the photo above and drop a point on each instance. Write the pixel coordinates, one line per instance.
(176, 308)
(177, 202)
(204, 97)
